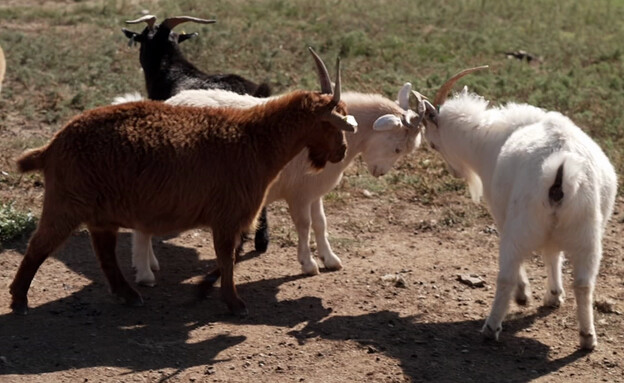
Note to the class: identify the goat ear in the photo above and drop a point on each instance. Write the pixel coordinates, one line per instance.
(403, 96)
(186, 36)
(133, 37)
(130, 34)
(387, 122)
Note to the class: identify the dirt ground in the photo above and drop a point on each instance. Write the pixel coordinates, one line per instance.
(396, 312)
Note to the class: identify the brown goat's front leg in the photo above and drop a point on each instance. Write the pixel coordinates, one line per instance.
(225, 242)
(213, 275)
(104, 242)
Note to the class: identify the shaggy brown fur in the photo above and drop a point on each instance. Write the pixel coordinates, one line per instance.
(161, 169)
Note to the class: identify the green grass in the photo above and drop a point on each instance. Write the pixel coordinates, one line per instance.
(65, 59)
(14, 224)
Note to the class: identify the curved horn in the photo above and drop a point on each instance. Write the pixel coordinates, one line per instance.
(172, 22)
(336, 97)
(323, 74)
(149, 19)
(440, 97)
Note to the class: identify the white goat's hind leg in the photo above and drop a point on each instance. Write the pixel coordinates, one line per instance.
(153, 261)
(585, 262)
(141, 246)
(555, 294)
(511, 258)
(319, 224)
(300, 214)
(523, 289)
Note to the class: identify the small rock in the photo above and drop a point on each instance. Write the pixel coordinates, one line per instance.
(470, 280)
(395, 279)
(606, 306)
(367, 193)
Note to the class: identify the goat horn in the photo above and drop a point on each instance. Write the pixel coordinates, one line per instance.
(172, 22)
(336, 98)
(448, 85)
(149, 19)
(323, 74)
(419, 96)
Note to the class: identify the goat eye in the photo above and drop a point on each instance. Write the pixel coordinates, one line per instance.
(397, 150)
(433, 146)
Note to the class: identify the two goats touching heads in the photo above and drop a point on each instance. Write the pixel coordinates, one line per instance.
(548, 186)
(160, 169)
(387, 130)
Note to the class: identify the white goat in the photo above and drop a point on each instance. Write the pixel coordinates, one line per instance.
(549, 187)
(384, 135)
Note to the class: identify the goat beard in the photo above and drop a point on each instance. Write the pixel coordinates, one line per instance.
(317, 164)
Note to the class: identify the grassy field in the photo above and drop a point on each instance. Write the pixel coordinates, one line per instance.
(67, 56)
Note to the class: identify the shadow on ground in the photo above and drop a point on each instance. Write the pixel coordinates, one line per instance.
(89, 329)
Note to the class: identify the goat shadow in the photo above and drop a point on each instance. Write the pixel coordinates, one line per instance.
(89, 329)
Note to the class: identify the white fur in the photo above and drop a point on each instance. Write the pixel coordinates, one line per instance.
(512, 154)
(128, 97)
(303, 190)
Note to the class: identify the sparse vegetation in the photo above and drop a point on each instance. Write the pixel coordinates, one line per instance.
(14, 223)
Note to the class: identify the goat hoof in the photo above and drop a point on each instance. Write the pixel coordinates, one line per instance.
(149, 281)
(522, 301)
(554, 298)
(205, 287)
(310, 268)
(133, 301)
(489, 333)
(588, 341)
(19, 308)
(238, 309)
(332, 262)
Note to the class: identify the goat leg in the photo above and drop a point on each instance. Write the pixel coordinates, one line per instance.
(261, 240)
(104, 242)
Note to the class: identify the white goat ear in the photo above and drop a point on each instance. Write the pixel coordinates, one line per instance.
(403, 96)
(387, 122)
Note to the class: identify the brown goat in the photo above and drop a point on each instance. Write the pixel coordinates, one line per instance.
(160, 169)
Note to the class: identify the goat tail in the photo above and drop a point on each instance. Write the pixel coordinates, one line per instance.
(561, 177)
(32, 160)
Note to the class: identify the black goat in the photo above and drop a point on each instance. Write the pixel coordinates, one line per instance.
(167, 72)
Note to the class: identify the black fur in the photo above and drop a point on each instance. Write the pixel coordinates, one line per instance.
(555, 193)
(167, 71)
